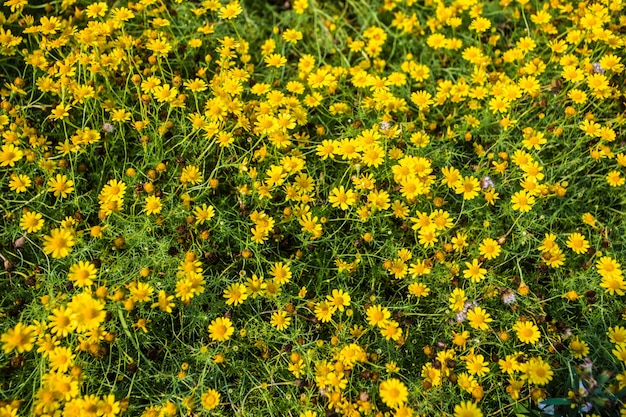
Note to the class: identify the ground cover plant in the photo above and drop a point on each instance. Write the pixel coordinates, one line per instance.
(310, 208)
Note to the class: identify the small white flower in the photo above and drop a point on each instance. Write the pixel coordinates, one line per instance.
(108, 127)
(597, 68)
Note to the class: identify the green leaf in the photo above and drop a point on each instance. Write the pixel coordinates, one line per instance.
(519, 409)
(556, 401)
(603, 378)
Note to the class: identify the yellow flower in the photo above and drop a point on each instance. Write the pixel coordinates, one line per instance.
(59, 242)
(468, 186)
(341, 198)
(608, 267)
(292, 36)
(480, 24)
(419, 289)
(235, 294)
(320, 78)
(617, 335)
(457, 300)
(577, 96)
(620, 352)
(113, 191)
(522, 201)
(210, 399)
(31, 221)
(393, 392)
(310, 224)
(460, 339)
(615, 179)
(476, 364)
(108, 407)
(61, 359)
(326, 149)
(377, 315)
(373, 155)
(554, 258)
(141, 324)
(467, 409)
(256, 286)
(19, 183)
(20, 337)
(489, 248)
(89, 312)
(577, 243)
(164, 302)
(474, 271)
(299, 6)
(221, 329)
(203, 213)
(281, 273)
(140, 292)
(153, 205)
(579, 348)
(62, 321)
(378, 200)
(120, 115)
(122, 14)
(82, 274)
(391, 330)
(60, 185)
(422, 99)
(549, 243)
(537, 372)
(280, 320)
(534, 140)
(275, 60)
(467, 382)
(191, 174)
(65, 387)
(230, 11)
(527, 332)
(613, 284)
(589, 219)
(478, 318)
(224, 139)
(60, 112)
(339, 299)
(96, 10)
(159, 47)
(196, 85)
(324, 311)
(16, 5)
(9, 155)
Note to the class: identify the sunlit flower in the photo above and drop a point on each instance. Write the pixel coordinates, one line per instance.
(280, 320)
(527, 332)
(58, 243)
(478, 318)
(210, 399)
(235, 294)
(221, 329)
(393, 392)
(31, 221)
(19, 337)
(10, 154)
(60, 185)
(153, 205)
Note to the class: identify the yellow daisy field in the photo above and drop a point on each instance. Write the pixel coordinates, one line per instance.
(385, 208)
